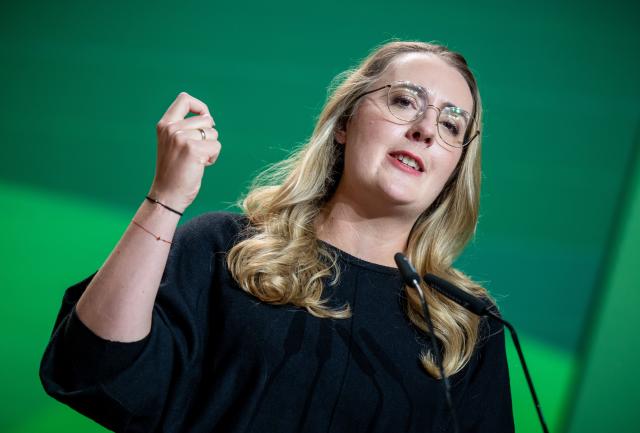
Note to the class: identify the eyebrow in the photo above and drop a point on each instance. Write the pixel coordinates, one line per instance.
(445, 104)
(426, 91)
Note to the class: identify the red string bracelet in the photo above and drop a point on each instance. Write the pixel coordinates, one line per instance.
(158, 238)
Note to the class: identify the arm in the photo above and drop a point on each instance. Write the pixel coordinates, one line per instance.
(127, 339)
(140, 385)
(118, 302)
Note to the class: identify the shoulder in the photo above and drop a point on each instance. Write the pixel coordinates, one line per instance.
(490, 330)
(491, 340)
(218, 230)
(489, 353)
(487, 398)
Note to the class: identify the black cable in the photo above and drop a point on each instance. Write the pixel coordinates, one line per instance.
(516, 343)
(482, 308)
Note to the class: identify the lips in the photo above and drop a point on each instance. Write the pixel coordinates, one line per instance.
(416, 158)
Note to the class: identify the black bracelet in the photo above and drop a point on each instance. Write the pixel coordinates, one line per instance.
(163, 205)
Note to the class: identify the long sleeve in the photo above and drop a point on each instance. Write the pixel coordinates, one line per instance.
(130, 386)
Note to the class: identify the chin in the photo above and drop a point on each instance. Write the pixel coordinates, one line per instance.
(403, 198)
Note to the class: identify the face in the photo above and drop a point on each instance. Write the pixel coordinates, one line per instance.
(375, 141)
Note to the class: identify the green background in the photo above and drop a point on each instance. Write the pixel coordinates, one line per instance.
(84, 84)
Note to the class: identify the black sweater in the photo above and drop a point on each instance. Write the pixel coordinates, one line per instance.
(219, 360)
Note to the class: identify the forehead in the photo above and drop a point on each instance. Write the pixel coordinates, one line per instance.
(443, 81)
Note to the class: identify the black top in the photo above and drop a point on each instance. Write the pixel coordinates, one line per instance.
(219, 360)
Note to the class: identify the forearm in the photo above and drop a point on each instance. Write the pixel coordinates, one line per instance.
(118, 303)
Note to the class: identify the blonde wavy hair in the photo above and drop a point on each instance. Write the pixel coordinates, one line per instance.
(280, 259)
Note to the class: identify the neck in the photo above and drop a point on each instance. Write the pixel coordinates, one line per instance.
(371, 236)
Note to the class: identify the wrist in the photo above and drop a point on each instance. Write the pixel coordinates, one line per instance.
(164, 205)
(167, 201)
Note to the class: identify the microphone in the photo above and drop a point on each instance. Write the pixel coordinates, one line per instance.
(457, 295)
(412, 278)
(482, 308)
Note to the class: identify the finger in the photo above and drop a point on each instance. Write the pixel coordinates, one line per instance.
(196, 135)
(212, 160)
(195, 122)
(183, 105)
(208, 160)
(205, 151)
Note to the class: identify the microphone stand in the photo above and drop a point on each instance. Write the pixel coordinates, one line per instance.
(516, 343)
(411, 278)
(481, 308)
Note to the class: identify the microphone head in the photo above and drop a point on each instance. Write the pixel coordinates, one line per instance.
(408, 272)
(457, 295)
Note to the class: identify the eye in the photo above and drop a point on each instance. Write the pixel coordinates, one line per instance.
(453, 124)
(451, 127)
(403, 99)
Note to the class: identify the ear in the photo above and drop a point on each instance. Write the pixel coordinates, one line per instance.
(341, 136)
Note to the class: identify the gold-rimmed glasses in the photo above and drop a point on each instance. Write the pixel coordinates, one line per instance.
(408, 102)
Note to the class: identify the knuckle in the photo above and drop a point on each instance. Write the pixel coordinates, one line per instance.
(179, 137)
(181, 144)
(191, 146)
(172, 130)
(209, 120)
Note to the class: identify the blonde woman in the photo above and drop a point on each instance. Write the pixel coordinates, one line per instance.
(292, 316)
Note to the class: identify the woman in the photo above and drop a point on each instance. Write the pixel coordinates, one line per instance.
(293, 317)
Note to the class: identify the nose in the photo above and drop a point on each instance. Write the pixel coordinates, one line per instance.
(424, 128)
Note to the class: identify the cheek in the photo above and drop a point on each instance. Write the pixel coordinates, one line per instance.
(365, 134)
(368, 125)
(355, 160)
(455, 160)
(447, 164)
(367, 144)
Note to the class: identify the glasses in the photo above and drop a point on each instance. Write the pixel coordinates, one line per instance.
(408, 102)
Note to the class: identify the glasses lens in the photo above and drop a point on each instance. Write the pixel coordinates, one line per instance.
(452, 126)
(407, 102)
(404, 102)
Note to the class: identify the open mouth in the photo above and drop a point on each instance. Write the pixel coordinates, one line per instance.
(408, 160)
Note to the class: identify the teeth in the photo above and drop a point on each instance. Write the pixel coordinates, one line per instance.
(408, 161)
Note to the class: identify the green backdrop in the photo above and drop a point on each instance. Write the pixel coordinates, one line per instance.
(85, 82)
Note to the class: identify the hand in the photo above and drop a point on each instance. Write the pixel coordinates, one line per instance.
(183, 154)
